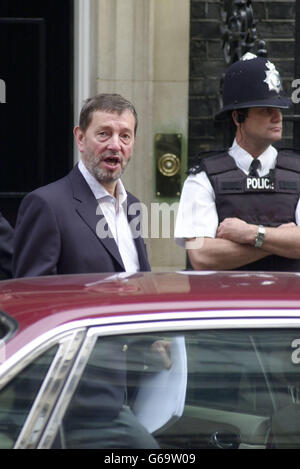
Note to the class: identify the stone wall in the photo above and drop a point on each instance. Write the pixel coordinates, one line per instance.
(275, 24)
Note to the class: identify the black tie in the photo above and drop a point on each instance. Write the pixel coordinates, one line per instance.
(253, 168)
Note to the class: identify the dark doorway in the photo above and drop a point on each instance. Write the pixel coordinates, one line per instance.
(36, 96)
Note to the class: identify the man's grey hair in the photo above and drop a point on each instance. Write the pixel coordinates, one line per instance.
(108, 103)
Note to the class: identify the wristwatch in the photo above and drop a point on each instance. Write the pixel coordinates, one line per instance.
(260, 236)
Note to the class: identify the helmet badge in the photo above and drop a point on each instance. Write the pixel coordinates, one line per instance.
(248, 56)
(272, 78)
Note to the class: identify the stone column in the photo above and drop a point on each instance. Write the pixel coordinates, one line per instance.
(143, 54)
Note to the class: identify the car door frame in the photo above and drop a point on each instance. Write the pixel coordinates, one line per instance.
(76, 341)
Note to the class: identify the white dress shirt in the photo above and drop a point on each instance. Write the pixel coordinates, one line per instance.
(115, 215)
(197, 215)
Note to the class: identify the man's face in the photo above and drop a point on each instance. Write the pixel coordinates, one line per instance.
(263, 124)
(107, 145)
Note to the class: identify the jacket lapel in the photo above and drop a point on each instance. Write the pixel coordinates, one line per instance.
(87, 207)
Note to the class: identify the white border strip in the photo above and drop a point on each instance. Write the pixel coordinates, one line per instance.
(82, 57)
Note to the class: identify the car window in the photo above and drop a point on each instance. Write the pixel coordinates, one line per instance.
(17, 397)
(222, 389)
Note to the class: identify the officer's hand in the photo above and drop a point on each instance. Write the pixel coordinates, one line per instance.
(236, 230)
(287, 225)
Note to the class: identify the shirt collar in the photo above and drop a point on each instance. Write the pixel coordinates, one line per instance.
(243, 159)
(98, 190)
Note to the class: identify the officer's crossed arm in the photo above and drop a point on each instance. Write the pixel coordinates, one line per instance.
(221, 254)
(282, 241)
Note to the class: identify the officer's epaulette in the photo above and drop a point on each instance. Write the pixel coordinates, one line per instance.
(197, 166)
(289, 150)
(288, 158)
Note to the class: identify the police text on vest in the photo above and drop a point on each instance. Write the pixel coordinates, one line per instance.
(260, 183)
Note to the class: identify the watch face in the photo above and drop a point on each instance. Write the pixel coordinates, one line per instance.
(260, 237)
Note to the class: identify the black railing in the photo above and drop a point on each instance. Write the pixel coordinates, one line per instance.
(238, 31)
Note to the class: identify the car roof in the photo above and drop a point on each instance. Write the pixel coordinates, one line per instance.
(41, 303)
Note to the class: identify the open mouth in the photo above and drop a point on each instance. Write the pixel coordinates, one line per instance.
(111, 161)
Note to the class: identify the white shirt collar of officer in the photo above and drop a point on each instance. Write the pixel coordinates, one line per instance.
(243, 159)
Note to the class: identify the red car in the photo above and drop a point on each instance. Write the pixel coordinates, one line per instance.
(209, 360)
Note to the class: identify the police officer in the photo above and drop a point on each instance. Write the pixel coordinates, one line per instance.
(240, 208)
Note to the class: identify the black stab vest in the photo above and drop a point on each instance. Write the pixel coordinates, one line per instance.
(269, 201)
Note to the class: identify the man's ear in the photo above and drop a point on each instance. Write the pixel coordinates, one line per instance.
(234, 116)
(238, 117)
(79, 136)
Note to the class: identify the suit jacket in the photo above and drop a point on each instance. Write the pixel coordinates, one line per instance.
(56, 232)
(6, 248)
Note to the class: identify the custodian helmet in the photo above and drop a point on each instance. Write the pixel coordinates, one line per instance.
(252, 82)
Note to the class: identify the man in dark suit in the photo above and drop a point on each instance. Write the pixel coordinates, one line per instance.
(81, 223)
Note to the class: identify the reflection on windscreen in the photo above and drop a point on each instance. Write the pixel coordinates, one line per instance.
(8, 326)
(198, 389)
(17, 397)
